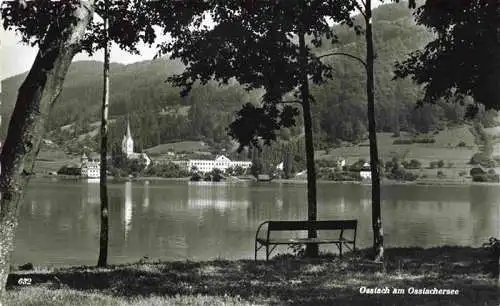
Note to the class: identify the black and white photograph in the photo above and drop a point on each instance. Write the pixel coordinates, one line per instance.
(250, 152)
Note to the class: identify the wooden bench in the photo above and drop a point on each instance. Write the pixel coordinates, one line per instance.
(323, 225)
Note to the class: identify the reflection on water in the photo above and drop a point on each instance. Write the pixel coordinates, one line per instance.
(424, 212)
(93, 192)
(145, 202)
(127, 212)
(484, 211)
(342, 204)
(171, 220)
(220, 196)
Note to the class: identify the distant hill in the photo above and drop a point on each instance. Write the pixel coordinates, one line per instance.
(158, 114)
(81, 95)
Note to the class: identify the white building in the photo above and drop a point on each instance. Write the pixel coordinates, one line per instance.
(366, 172)
(128, 148)
(90, 166)
(280, 166)
(220, 162)
(341, 162)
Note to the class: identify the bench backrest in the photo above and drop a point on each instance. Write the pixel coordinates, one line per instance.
(312, 225)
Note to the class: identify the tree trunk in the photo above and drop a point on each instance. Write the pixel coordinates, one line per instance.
(311, 249)
(495, 78)
(104, 235)
(378, 235)
(37, 94)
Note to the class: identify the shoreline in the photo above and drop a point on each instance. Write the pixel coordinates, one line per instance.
(384, 182)
(284, 279)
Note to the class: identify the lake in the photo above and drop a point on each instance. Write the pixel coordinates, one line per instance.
(178, 220)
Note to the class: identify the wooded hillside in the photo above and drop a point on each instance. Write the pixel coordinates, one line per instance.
(159, 115)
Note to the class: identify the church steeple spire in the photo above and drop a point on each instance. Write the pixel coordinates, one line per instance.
(128, 142)
(129, 135)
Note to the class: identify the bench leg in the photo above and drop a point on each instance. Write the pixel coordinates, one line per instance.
(267, 252)
(255, 250)
(340, 249)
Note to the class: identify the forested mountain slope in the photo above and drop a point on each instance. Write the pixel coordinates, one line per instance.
(159, 115)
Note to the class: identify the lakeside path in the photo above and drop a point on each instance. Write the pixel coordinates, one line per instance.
(329, 280)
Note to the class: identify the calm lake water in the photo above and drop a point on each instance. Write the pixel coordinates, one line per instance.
(172, 220)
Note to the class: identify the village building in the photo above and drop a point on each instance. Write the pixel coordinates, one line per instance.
(280, 166)
(220, 162)
(341, 163)
(183, 164)
(128, 148)
(366, 172)
(90, 165)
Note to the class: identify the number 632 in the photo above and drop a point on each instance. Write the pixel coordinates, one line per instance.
(24, 281)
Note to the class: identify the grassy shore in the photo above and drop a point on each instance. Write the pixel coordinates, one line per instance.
(328, 280)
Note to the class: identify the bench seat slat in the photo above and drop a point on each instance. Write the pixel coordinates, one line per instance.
(313, 225)
(302, 240)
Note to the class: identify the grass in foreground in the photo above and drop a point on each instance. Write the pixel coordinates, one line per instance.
(328, 280)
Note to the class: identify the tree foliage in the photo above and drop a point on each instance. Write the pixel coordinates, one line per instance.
(257, 46)
(463, 59)
(128, 25)
(158, 115)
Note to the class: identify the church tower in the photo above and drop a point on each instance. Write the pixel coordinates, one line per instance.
(128, 142)
(84, 165)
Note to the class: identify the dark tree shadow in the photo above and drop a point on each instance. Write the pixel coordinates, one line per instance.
(327, 280)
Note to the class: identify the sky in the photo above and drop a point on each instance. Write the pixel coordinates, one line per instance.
(16, 58)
